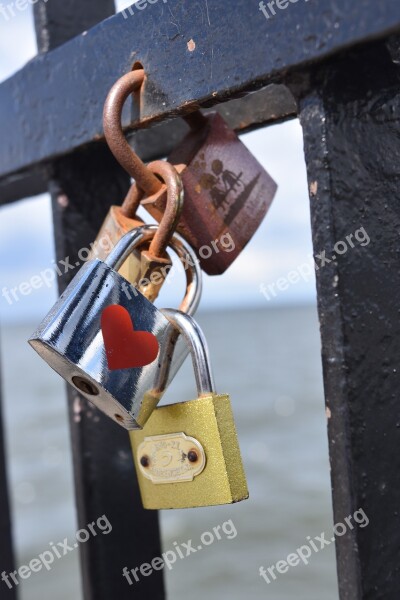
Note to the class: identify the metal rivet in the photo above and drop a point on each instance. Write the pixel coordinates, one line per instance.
(145, 461)
(192, 456)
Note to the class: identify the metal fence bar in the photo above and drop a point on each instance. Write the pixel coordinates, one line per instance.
(351, 120)
(6, 546)
(269, 105)
(58, 22)
(23, 185)
(83, 185)
(236, 49)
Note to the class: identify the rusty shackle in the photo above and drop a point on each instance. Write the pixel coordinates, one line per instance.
(173, 208)
(121, 90)
(129, 83)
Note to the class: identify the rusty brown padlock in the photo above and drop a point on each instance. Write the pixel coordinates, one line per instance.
(227, 191)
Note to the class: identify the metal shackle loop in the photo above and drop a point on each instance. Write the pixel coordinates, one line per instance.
(185, 253)
(125, 86)
(173, 208)
(197, 344)
(172, 182)
(112, 114)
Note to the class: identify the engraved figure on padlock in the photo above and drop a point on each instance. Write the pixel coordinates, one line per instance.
(188, 455)
(70, 339)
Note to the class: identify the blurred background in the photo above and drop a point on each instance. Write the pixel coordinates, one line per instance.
(266, 354)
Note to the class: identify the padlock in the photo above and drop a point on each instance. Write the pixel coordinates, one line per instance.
(227, 191)
(143, 262)
(70, 339)
(188, 454)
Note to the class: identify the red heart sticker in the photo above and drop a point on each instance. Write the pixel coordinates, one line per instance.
(125, 347)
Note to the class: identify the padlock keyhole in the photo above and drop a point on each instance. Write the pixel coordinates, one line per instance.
(85, 386)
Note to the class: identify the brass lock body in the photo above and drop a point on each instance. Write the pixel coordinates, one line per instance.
(188, 454)
(115, 225)
(146, 267)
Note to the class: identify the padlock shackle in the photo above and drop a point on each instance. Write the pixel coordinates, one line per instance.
(112, 114)
(173, 208)
(197, 344)
(172, 184)
(128, 84)
(141, 235)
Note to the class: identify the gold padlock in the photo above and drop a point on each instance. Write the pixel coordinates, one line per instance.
(146, 267)
(188, 454)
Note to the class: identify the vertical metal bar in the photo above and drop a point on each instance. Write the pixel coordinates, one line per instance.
(351, 126)
(6, 546)
(59, 21)
(83, 186)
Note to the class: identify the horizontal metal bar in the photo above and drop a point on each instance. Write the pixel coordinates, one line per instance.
(23, 185)
(194, 52)
(271, 104)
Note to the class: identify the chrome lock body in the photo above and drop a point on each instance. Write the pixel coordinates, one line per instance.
(70, 339)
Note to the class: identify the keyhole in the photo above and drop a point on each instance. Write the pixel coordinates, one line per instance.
(85, 386)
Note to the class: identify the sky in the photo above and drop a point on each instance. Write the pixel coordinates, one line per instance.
(281, 246)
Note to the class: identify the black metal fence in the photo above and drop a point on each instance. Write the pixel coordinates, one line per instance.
(340, 62)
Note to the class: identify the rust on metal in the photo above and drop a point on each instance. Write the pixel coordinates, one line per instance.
(121, 90)
(227, 193)
(173, 207)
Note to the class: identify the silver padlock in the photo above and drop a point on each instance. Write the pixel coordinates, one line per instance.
(70, 339)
